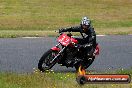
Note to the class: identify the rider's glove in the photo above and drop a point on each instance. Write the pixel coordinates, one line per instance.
(60, 30)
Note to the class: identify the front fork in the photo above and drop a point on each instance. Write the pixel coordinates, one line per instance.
(56, 48)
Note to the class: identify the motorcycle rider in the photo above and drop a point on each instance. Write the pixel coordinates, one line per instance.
(87, 31)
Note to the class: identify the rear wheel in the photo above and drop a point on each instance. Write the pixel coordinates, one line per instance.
(85, 64)
(81, 80)
(89, 62)
(45, 62)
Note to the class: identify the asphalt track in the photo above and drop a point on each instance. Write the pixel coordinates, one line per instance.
(21, 55)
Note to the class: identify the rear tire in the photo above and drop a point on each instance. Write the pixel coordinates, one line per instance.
(45, 60)
(81, 80)
(85, 64)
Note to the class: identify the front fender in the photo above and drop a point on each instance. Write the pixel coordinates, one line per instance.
(55, 48)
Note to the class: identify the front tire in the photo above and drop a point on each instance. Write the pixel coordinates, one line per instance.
(45, 61)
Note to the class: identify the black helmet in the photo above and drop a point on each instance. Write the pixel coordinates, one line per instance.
(85, 21)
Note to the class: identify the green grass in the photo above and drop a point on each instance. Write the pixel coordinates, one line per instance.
(25, 33)
(50, 33)
(54, 80)
(41, 15)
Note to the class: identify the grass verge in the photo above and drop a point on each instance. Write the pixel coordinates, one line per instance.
(53, 80)
(28, 18)
(50, 33)
(24, 33)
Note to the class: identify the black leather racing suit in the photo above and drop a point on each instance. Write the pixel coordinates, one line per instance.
(88, 37)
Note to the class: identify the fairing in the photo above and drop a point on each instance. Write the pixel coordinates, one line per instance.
(55, 48)
(65, 40)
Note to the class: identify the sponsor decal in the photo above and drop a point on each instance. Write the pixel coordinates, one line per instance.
(83, 78)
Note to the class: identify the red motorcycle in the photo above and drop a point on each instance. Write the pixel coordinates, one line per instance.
(66, 53)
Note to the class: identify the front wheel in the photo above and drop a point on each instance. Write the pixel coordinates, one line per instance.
(45, 62)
